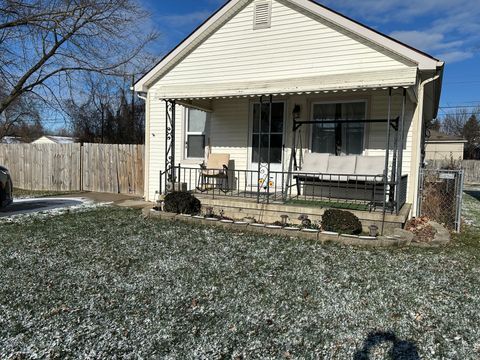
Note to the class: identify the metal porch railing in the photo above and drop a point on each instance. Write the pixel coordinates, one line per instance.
(360, 192)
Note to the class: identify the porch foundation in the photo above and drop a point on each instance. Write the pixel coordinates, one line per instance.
(270, 213)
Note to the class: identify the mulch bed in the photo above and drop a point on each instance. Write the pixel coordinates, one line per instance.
(421, 228)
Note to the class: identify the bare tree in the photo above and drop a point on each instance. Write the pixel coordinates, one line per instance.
(454, 121)
(22, 113)
(108, 115)
(465, 124)
(46, 44)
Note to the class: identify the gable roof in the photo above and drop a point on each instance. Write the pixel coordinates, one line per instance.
(216, 20)
(57, 139)
(437, 136)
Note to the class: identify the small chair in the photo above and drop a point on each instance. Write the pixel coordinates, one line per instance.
(214, 174)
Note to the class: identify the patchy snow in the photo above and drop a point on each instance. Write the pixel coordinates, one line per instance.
(106, 283)
(25, 209)
(471, 208)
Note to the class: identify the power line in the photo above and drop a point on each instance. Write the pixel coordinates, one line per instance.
(460, 107)
(462, 82)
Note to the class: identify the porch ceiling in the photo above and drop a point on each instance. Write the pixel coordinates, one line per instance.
(405, 78)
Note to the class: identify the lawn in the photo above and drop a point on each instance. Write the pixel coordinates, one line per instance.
(471, 207)
(106, 283)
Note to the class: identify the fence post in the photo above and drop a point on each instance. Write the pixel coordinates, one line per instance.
(460, 201)
(81, 167)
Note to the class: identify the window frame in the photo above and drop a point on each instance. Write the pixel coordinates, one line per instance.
(337, 102)
(251, 133)
(187, 133)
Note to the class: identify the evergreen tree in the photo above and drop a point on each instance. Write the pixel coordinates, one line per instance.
(471, 133)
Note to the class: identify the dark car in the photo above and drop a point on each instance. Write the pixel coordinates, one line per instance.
(6, 188)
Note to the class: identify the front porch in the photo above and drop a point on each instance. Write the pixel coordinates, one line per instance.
(353, 192)
(304, 151)
(245, 194)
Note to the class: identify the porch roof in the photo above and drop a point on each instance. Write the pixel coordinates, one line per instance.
(404, 78)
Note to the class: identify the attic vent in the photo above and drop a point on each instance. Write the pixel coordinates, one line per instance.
(262, 15)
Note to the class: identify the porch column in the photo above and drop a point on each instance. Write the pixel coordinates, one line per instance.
(269, 145)
(170, 107)
(400, 134)
(259, 149)
(387, 156)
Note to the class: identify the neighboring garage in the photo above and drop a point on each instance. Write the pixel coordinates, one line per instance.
(440, 146)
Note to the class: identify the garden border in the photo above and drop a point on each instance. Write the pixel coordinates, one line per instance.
(401, 238)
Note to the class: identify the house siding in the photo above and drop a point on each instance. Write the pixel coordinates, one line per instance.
(229, 130)
(296, 45)
(156, 124)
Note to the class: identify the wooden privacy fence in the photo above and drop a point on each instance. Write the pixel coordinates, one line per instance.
(113, 168)
(471, 169)
(75, 167)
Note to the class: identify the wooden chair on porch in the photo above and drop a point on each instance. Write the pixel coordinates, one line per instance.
(214, 173)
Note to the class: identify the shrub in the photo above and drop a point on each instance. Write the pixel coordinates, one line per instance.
(343, 222)
(182, 203)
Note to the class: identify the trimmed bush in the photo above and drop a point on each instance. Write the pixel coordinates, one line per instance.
(180, 202)
(343, 222)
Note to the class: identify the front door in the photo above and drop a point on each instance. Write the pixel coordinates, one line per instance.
(267, 136)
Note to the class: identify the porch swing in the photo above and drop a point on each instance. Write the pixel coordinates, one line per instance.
(349, 178)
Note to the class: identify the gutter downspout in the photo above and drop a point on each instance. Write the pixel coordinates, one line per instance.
(421, 124)
(146, 151)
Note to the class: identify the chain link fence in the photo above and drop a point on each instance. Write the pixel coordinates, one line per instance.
(440, 196)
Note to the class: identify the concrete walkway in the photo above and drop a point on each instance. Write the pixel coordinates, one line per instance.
(32, 205)
(121, 200)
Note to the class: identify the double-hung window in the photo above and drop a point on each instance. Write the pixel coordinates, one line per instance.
(196, 132)
(344, 137)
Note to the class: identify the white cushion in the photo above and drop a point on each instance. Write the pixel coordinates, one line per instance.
(370, 165)
(315, 163)
(342, 165)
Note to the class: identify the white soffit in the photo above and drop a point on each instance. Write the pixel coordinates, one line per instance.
(329, 83)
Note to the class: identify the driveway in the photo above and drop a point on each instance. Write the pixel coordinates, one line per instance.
(25, 206)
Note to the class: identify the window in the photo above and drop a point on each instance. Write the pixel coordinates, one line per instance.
(272, 136)
(339, 139)
(196, 129)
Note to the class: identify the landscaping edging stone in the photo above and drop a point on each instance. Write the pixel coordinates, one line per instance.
(401, 238)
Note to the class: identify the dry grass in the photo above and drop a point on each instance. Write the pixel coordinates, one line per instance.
(106, 283)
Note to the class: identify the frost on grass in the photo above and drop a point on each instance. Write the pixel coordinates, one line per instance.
(85, 205)
(471, 210)
(105, 283)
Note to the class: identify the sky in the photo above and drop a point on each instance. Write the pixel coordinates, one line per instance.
(446, 29)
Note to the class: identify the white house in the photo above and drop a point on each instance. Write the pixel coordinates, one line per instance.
(49, 139)
(326, 85)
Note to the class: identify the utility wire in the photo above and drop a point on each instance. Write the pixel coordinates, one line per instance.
(460, 107)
